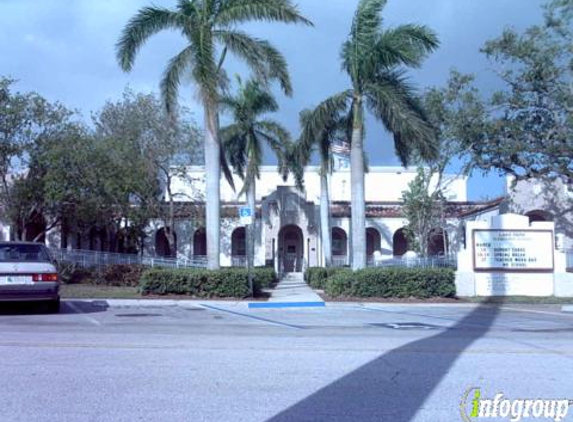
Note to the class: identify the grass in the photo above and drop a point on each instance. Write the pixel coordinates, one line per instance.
(533, 300)
(89, 291)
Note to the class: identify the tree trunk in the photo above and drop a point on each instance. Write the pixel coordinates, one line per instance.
(251, 228)
(325, 230)
(357, 195)
(212, 186)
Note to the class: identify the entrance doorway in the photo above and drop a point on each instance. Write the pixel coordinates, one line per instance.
(291, 249)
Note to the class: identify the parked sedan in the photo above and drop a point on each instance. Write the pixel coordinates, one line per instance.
(28, 273)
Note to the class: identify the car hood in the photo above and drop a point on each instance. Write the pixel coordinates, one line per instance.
(26, 267)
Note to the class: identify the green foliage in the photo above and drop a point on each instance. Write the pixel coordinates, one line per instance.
(316, 277)
(525, 129)
(424, 210)
(393, 283)
(226, 282)
(111, 275)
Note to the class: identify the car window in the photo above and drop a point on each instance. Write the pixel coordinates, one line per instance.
(29, 253)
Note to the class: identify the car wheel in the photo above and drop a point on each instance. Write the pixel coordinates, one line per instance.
(54, 306)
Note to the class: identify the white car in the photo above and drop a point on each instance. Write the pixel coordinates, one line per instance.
(28, 273)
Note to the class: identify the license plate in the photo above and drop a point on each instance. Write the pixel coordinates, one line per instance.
(16, 279)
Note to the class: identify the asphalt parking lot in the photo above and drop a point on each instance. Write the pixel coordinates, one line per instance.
(218, 361)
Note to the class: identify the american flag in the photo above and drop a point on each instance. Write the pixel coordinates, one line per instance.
(340, 148)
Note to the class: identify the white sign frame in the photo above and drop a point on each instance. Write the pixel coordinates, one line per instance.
(544, 242)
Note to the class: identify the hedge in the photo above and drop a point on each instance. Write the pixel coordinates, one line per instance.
(392, 283)
(316, 276)
(226, 282)
(110, 275)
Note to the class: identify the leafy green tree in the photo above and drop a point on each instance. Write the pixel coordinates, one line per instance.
(148, 150)
(28, 125)
(243, 140)
(423, 207)
(210, 28)
(525, 129)
(375, 60)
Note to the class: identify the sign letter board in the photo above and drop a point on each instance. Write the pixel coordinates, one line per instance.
(513, 250)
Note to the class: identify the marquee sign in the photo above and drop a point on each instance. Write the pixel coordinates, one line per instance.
(513, 250)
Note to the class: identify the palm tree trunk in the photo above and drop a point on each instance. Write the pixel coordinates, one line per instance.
(325, 219)
(357, 196)
(212, 186)
(251, 228)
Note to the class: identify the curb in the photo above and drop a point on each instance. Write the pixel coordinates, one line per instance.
(159, 303)
(275, 305)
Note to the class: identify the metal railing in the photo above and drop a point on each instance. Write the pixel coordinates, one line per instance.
(87, 258)
(427, 262)
(340, 261)
(239, 261)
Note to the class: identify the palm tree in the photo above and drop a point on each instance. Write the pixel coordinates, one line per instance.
(210, 28)
(375, 59)
(243, 141)
(333, 128)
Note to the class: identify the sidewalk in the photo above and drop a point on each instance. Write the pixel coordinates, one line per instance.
(292, 291)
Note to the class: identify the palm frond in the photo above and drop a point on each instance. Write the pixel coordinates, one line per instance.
(239, 11)
(405, 45)
(171, 79)
(265, 60)
(147, 22)
(279, 140)
(394, 101)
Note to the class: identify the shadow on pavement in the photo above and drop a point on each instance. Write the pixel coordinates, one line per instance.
(66, 307)
(395, 386)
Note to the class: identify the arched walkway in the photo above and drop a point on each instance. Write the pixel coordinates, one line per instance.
(162, 247)
(437, 242)
(399, 243)
(539, 215)
(372, 241)
(291, 249)
(339, 247)
(35, 228)
(200, 242)
(239, 247)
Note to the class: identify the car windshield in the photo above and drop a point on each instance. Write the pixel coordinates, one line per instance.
(23, 253)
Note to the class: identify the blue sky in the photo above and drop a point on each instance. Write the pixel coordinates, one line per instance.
(65, 50)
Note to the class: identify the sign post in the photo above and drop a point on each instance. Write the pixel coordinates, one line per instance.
(246, 217)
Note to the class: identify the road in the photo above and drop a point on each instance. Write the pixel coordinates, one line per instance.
(224, 362)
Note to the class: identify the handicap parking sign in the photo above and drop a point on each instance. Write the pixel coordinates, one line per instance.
(246, 215)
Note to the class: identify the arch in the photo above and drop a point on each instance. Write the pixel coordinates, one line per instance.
(200, 242)
(399, 242)
(97, 239)
(291, 249)
(373, 241)
(162, 247)
(339, 242)
(539, 215)
(239, 247)
(438, 242)
(34, 228)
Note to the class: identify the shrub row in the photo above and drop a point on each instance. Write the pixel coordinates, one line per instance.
(387, 282)
(316, 276)
(111, 275)
(226, 282)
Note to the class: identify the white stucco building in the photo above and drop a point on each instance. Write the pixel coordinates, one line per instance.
(288, 221)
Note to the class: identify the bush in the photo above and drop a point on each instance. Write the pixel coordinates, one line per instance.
(393, 282)
(226, 282)
(111, 275)
(316, 276)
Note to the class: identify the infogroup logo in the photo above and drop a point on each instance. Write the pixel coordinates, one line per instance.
(475, 407)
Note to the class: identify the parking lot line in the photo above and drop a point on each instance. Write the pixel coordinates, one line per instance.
(79, 312)
(270, 321)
